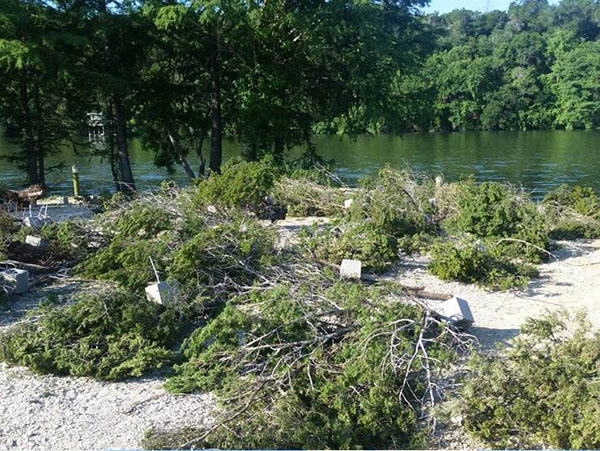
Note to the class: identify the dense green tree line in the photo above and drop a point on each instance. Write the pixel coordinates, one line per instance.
(535, 66)
(183, 74)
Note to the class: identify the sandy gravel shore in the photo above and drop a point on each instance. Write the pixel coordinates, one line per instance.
(47, 412)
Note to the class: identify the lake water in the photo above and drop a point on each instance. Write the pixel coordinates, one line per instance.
(537, 160)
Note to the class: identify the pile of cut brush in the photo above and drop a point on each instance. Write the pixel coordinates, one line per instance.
(298, 358)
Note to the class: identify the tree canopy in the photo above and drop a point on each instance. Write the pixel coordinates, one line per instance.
(271, 74)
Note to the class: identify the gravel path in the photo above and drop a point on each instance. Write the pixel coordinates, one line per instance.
(572, 282)
(48, 412)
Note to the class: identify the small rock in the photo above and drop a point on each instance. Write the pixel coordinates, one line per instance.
(351, 269)
(348, 203)
(212, 209)
(458, 420)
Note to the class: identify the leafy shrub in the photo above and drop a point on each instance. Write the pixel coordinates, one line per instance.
(376, 250)
(582, 200)
(239, 185)
(394, 203)
(199, 249)
(312, 365)
(234, 250)
(390, 207)
(139, 230)
(573, 212)
(304, 197)
(108, 335)
(128, 262)
(418, 243)
(7, 228)
(142, 220)
(68, 240)
(542, 392)
(572, 229)
(494, 210)
(471, 263)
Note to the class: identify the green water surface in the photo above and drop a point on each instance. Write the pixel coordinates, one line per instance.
(537, 160)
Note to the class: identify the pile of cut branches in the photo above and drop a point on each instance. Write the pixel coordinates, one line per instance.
(316, 364)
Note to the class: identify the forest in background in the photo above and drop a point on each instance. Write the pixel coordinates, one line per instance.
(181, 75)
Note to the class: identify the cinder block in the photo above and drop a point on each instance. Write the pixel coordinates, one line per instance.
(457, 312)
(160, 293)
(16, 279)
(351, 269)
(348, 203)
(37, 242)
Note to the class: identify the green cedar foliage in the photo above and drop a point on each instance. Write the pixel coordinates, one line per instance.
(311, 365)
(239, 185)
(376, 250)
(390, 207)
(7, 228)
(194, 247)
(541, 392)
(304, 196)
(235, 250)
(572, 212)
(137, 232)
(500, 213)
(472, 263)
(111, 335)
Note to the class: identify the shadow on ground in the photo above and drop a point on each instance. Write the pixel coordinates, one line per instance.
(573, 249)
(18, 306)
(489, 338)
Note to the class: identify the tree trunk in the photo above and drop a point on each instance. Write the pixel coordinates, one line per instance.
(201, 162)
(122, 167)
(126, 180)
(109, 145)
(186, 167)
(216, 135)
(41, 154)
(30, 153)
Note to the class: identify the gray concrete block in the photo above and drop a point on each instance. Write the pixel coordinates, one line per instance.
(37, 242)
(351, 269)
(457, 312)
(160, 293)
(17, 280)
